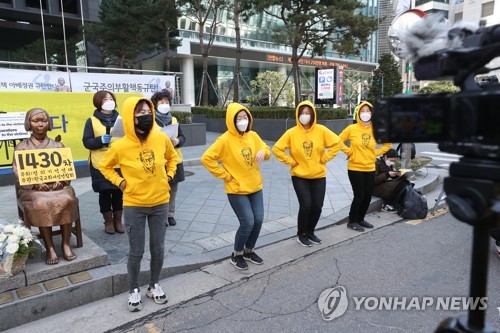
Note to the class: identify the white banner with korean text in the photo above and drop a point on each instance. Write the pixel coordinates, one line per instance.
(34, 80)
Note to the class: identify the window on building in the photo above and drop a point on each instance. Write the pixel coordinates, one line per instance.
(487, 8)
(33, 3)
(70, 6)
(182, 23)
(438, 11)
(459, 16)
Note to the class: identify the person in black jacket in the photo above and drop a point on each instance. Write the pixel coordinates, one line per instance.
(97, 138)
(162, 101)
(387, 184)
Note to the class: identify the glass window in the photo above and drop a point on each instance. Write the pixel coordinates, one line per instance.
(34, 3)
(70, 6)
(459, 16)
(487, 8)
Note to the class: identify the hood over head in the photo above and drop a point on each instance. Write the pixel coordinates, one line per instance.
(313, 116)
(231, 112)
(358, 119)
(128, 115)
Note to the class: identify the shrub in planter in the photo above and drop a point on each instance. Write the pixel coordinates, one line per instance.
(270, 112)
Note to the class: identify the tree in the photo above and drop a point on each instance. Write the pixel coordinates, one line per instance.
(386, 79)
(35, 52)
(354, 87)
(166, 15)
(311, 25)
(439, 87)
(207, 15)
(127, 29)
(266, 87)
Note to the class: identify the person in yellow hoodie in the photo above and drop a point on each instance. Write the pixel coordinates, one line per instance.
(142, 155)
(306, 143)
(162, 101)
(240, 150)
(361, 164)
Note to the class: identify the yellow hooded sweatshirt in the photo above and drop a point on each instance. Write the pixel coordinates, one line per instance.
(236, 152)
(362, 144)
(142, 163)
(307, 147)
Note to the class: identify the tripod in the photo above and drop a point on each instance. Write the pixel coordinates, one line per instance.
(471, 189)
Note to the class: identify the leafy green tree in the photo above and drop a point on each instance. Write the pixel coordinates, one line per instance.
(35, 52)
(267, 86)
(311, 26)
(207, 15)
(439, 87)
(166, 14)
(386, 79)
(127, 30)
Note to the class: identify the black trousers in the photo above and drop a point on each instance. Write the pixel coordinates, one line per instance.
(495, 234)
(110, 200)
(362, 184)
(396, 194)
(311, 194)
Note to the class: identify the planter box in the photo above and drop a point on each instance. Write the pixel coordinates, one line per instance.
(270, 129)
(195, 133)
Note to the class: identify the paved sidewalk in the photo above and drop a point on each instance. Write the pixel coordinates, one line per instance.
(206, 223)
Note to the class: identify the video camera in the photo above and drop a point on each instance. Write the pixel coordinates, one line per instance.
(465, 123)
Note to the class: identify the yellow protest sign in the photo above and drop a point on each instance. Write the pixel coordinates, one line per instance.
(44, 165)
(68, 114)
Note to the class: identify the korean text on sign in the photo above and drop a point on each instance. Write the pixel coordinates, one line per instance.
(44, 165)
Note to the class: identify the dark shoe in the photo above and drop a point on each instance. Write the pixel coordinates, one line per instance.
(171, 221)
(304, 241)
(238, 262)
(253, 257)
(355, 226)
(313, 238)
(366, 224)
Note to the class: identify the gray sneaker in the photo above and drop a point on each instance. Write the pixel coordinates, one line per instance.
(355, 226)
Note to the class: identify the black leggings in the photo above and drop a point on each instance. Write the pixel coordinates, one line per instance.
(362, 187)
(110, 200)
(311, 194)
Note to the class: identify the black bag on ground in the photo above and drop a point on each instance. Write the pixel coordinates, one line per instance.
(413, 204)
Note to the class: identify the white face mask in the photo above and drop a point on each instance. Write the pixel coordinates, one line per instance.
(164, 108)
(365, 116)
(108, 106)
(242, 125)
(305, 119)
(389, 163)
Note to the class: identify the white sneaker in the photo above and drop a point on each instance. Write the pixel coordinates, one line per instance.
(134, 301)
(388, 209)
(157, 294)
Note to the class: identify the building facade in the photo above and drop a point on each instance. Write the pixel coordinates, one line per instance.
(24, 21)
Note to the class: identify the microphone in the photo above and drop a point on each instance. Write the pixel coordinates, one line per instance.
(108, 130)
(431, 34)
